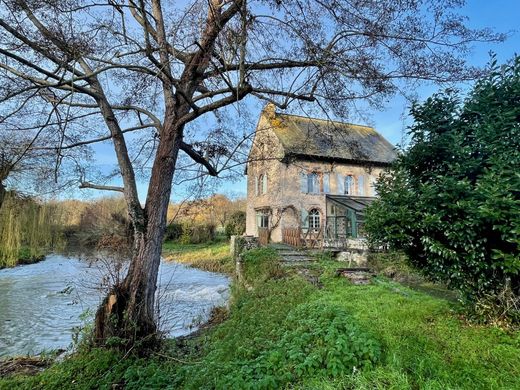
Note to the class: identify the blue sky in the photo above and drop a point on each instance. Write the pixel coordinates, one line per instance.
(500, 15)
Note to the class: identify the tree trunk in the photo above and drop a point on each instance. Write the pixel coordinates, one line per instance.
(3, 192)
(126, 318)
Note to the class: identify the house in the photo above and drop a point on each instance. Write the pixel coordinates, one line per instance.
(309, 180)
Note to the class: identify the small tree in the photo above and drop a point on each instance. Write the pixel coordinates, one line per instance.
(452, 200)
(237, 224)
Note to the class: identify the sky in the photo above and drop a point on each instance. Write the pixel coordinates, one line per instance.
(500, 15)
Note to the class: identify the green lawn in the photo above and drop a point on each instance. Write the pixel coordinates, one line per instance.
(414, 340)
(212, 256)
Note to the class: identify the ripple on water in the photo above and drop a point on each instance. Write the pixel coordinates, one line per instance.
(41, 304)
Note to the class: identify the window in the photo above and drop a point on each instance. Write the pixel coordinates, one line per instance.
(314, 219)
(262, 219)
(340, 184)
(315, 183)
(261, 184)
(349, 185)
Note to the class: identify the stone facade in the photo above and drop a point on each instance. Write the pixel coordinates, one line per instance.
(274, 181)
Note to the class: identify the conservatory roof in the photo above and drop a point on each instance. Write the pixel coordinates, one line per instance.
(356, 203)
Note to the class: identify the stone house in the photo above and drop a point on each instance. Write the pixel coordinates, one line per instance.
(309, 180)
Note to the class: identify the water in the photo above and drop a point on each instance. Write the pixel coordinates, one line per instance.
(42, 304)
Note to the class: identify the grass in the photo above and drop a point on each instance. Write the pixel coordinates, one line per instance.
(213, 256)
(421, 342)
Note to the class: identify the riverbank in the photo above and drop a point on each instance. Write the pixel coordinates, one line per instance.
(287, 332)
(25, 256)
(212, 256)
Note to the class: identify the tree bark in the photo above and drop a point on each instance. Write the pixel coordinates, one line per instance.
(126, 317)
(3, 192)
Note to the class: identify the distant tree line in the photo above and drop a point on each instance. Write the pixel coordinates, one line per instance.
(204, 219)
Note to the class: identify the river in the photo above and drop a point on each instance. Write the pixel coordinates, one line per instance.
(43, 304)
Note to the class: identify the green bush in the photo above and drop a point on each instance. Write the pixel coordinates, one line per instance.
(173, 232)
(237, 224)
(452, 200)
(197, 234)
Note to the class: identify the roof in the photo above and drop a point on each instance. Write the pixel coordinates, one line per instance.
(325, 139)
(356, 203)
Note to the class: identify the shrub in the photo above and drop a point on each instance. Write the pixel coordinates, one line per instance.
(173, 232)
(452, 200)
(197, 234)
(237, 224)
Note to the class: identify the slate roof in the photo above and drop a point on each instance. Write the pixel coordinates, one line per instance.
(324, 139)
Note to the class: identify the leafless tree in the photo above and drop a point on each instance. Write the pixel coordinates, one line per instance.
(142, 72)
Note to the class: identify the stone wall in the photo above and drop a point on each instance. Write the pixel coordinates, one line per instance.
(240, 244)
(355, 253)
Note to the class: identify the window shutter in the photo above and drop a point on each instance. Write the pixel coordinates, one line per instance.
(264, 184)
(349, 185)
(340, 184)
(305, 218)
(315, 184)
(361, 185)
(256, 185)
(326, 183)
(303, 182)
(373, 185)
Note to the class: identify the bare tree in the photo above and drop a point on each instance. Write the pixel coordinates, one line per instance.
(148, 69)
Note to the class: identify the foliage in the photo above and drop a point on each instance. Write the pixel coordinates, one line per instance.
(197, 234)
(452, 200)
(101, 222)
(259, 265)
(173, 232)
(216, 210)
(237, 224)
(28, 229)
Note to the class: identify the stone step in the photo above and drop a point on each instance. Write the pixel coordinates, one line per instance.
(289, 264)
(293, 254)
(297, 258)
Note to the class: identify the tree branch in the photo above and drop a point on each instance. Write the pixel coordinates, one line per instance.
(86, 184)
(198, 158)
